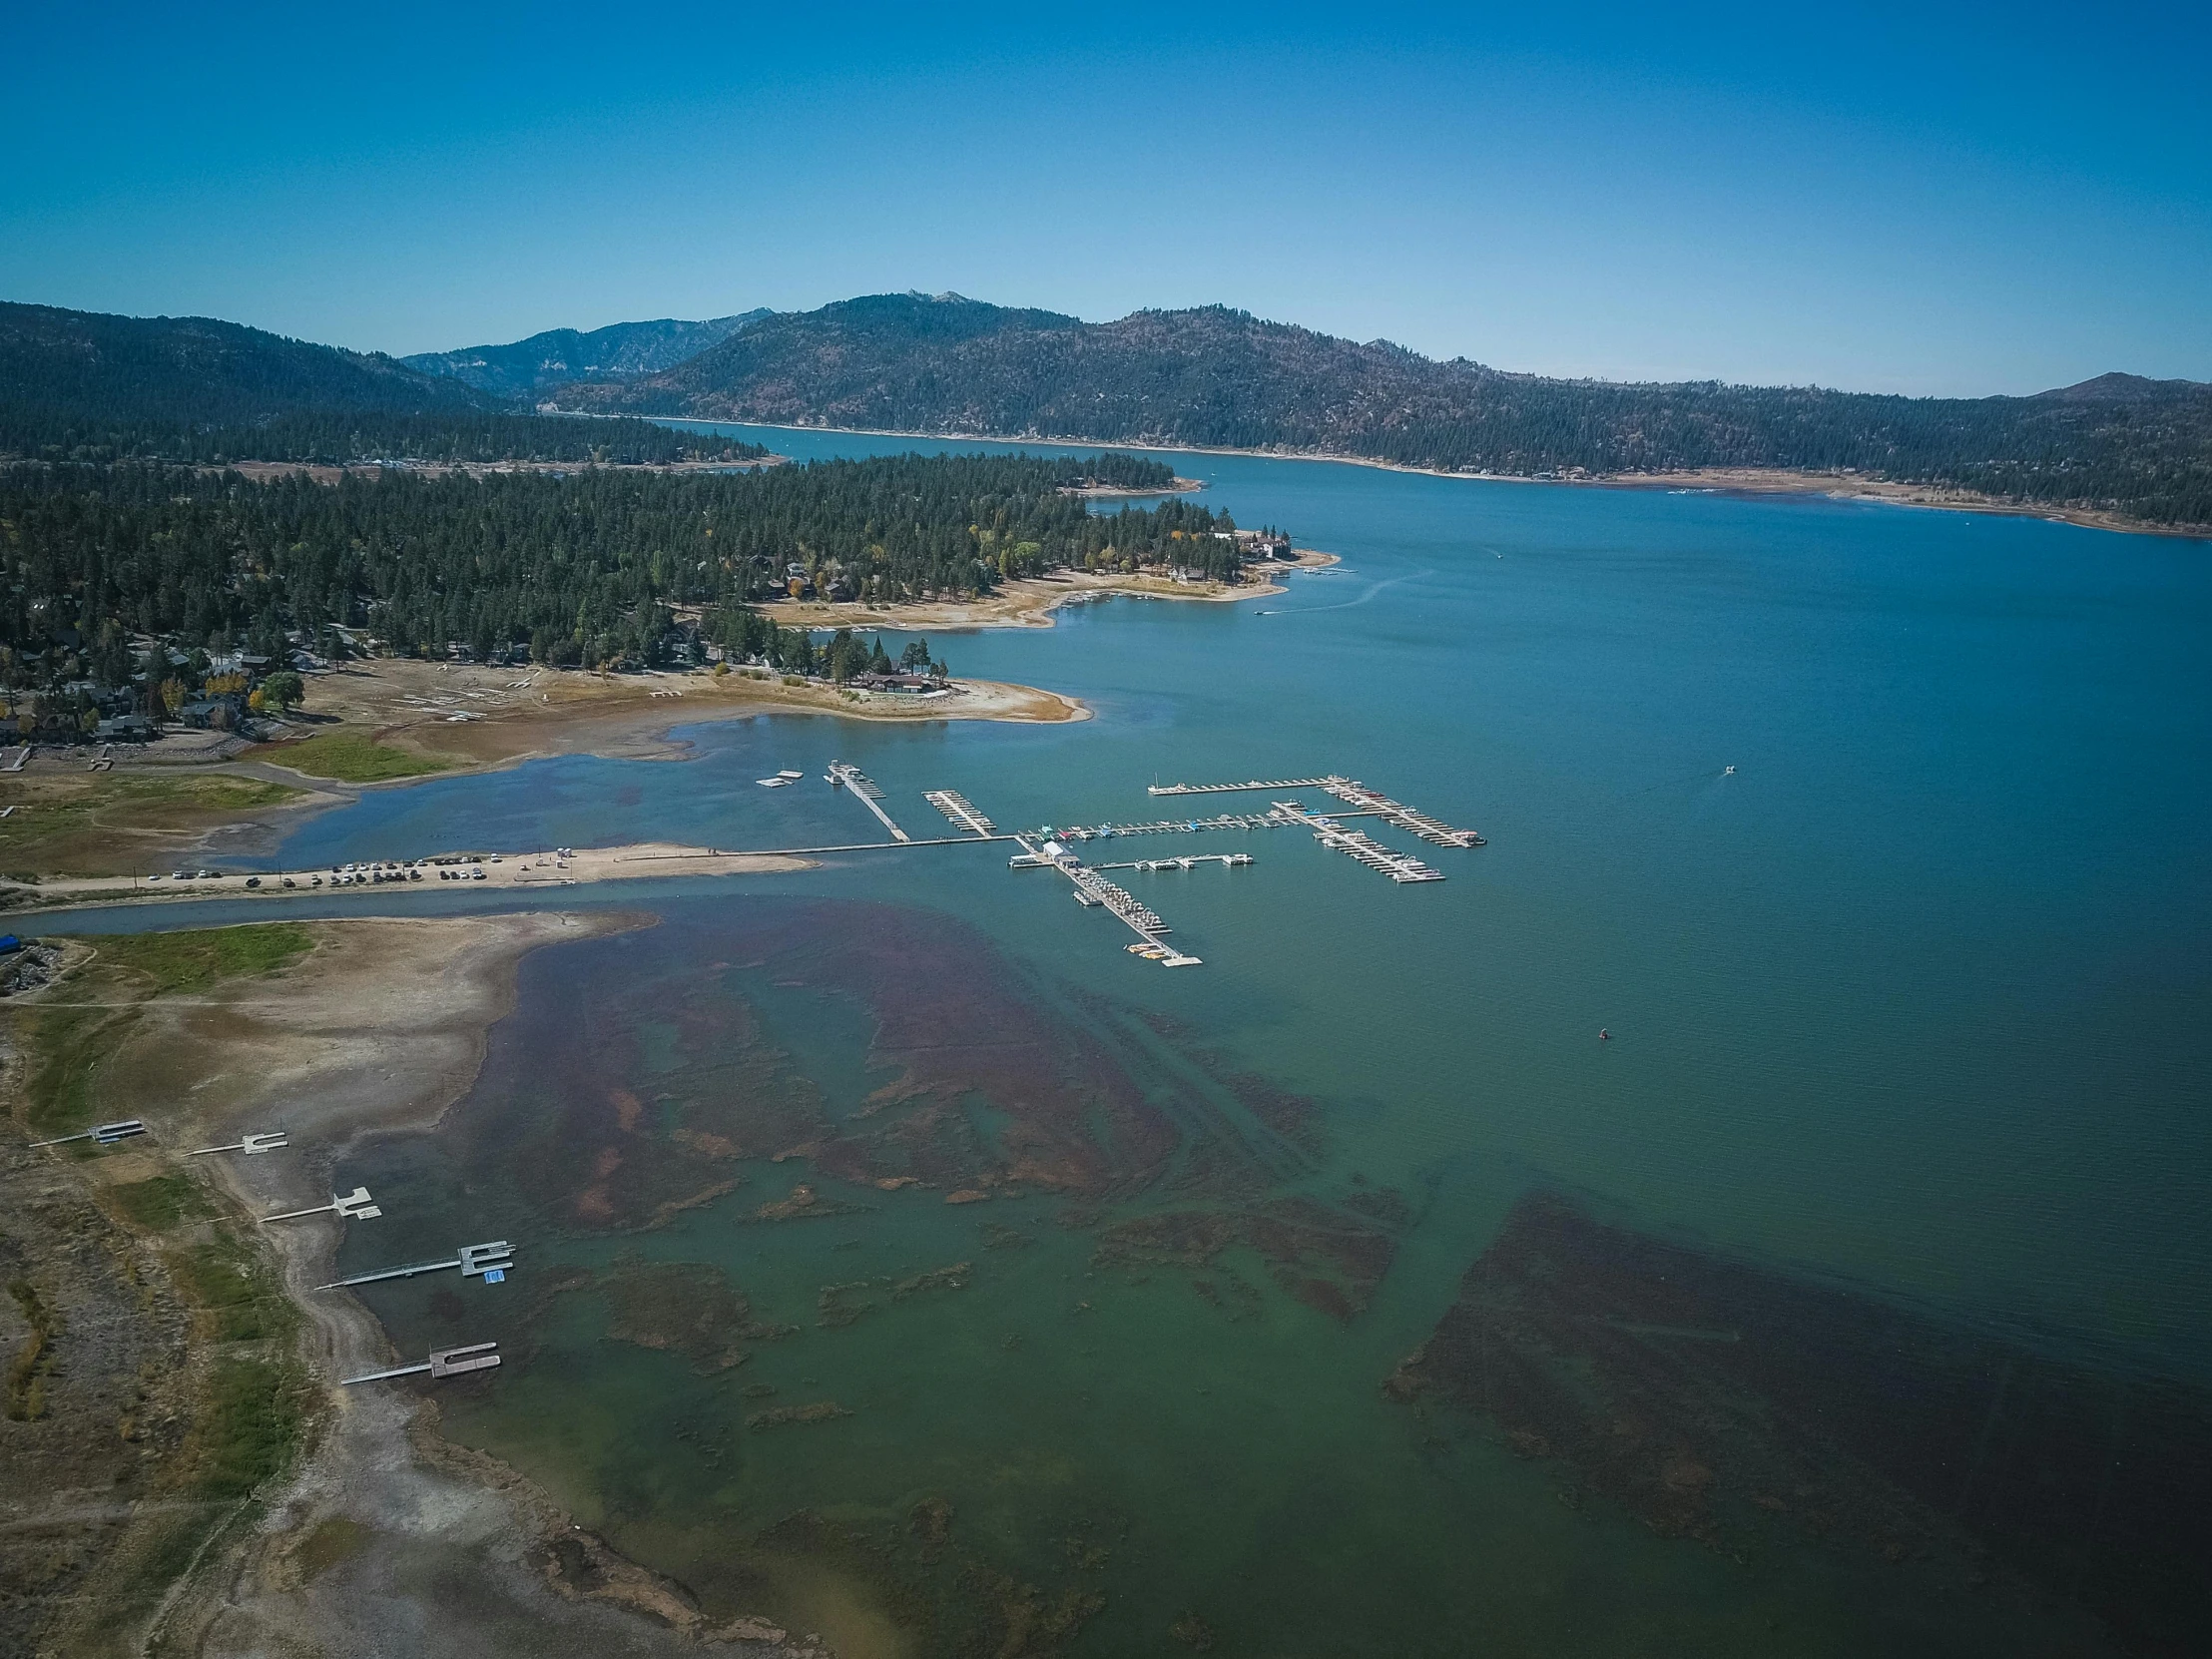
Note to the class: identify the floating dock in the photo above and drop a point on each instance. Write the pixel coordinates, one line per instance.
(1093, 891)
(1365, 800)
(1174, 826)
(1256, 784)
(844, 775)
(1353, 794)
(1227, 861)
(960, 811)
(1399, 867)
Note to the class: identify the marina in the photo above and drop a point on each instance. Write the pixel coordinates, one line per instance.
(960, 810)
(844, 775)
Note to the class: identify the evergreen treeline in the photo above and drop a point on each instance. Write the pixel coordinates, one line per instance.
(591, 567)
(1219, 378)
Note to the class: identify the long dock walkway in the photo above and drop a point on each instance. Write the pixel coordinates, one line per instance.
(1093, 889)
(1399, 867)
(1353, 794)
(1256, 784)
(845, 774)
(1398, 813)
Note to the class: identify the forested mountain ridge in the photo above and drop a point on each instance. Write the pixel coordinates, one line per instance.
(558, 355)
(87, 386)
(1215, 377)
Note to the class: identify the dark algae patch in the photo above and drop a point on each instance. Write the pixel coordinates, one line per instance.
(1736, 1406)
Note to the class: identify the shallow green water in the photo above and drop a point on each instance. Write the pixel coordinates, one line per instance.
(1915, 1002)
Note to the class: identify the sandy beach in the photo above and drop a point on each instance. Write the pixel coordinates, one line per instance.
(1029, 601)
(537, 872)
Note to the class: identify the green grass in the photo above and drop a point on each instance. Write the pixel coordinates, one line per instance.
(162, 1202)
(235, 1287)
(194, 960)
(352, 758)
(250, 1424)
(26, 1381)
(64, 821)
(71, 1043)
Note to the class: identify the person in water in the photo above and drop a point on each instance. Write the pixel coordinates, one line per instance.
(1604, 1036)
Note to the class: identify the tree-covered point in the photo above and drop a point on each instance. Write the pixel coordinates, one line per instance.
(582, 568)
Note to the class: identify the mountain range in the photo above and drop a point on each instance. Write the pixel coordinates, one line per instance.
(1214, 377)
(77, 384)
(87, 386)
(617, 352)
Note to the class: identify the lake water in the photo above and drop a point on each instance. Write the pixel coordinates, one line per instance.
(1910, 1010)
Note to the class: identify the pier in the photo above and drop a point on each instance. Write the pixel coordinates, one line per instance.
(1399, 867)
(1353, 794)
(845, 774)
(1093, 891)
(1256, 784)
(1227, 861)
(1365, 800)
(960, 811)
(490, 1262)
(354, 1206)
(444, 1362)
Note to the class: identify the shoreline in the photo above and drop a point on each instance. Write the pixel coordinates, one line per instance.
(504, 872)
(1030, 601)
(1718, 480)
(381, 1029)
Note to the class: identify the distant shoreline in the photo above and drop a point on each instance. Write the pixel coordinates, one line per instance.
(1715, 480)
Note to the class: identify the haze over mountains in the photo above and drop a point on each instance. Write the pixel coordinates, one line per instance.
(75, 384)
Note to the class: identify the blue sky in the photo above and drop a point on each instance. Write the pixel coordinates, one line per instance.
(1935, 198)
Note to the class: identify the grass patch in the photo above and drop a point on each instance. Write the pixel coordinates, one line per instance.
(71, 1043)
(26, 1385)
(248, 1425)
(236, 1290)
(162, 1202)
(195, 959)
(67, 820)
(354, 758)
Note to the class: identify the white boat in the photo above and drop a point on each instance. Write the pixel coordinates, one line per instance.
(789, 776)
(778, 782)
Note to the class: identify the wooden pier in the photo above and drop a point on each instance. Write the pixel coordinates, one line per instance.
(844, 775)
(960, 811)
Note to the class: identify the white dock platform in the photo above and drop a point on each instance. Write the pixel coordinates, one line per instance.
(960, 811)
(844, 775)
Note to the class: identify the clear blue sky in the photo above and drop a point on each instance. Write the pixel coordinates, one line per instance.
(1928, 198)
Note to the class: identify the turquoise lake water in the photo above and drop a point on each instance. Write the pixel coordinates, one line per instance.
(1917, 1001)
